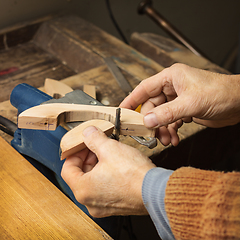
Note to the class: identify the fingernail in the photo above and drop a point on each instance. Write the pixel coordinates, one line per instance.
(88, 131)
(150, 120)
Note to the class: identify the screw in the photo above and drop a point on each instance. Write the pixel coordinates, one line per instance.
(93, 102)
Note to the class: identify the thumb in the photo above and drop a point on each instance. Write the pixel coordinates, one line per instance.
(94, 138)
(167, 113)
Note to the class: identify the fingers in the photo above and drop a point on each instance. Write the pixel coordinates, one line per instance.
(94, 139)
(90, 162)
(167, 113)
(149, 88)
(72, 170)
(152, 103)
(168, 134)
(113, 186)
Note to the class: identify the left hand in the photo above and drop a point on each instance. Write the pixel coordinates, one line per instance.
(107, 176)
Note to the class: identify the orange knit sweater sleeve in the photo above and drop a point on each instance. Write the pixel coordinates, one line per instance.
(203, 204)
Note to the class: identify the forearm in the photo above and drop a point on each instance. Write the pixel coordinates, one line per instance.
(203, 204)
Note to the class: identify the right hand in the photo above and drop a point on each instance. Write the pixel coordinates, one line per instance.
(182, 93)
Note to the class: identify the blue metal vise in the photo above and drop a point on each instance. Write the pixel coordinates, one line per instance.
(41, 148)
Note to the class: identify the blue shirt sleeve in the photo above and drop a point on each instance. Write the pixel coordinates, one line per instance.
(153, 193)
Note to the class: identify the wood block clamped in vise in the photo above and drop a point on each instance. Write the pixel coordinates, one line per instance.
(54, 87)
(49, 116)
(76, 110)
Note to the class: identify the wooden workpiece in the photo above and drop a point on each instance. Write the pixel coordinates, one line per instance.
(33, 208)
(70, 144)
(49, 116)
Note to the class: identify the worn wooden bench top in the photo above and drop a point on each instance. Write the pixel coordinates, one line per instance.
(33, 208)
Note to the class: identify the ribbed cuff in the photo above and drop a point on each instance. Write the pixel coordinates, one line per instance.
(153, 194)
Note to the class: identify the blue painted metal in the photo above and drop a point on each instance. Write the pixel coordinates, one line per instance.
(42, 148)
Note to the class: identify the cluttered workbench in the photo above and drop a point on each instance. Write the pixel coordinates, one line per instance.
(76, 53)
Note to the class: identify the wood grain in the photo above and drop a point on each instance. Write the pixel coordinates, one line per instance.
(49, 116)
(33, 208)
(90, 90)
(89, 45)
(33, 65)
(166, 52)
(72, 141)
(56, 88)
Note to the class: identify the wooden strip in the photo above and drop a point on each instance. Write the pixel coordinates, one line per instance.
(33, 208)
(90, 90)
(49, 116)
(54, 87)
(71, 144)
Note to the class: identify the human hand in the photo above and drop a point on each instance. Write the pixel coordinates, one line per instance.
(181, 94)
(107, 176)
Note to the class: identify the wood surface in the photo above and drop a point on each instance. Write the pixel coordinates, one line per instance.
(90, 90)
(33, 208)
(20, 33)
(49, 116)
(31, 65)
(166, 52)
(66, 44)
(56, 88)
(89, 45)
(108, 91)
(72, 141)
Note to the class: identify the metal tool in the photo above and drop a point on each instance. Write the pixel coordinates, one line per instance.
(117, 125)
(122, 81)
(126, 87)
(145, 7)
(75, 97)
(148, 142)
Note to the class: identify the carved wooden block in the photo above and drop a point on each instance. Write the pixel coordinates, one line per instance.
(49, 116)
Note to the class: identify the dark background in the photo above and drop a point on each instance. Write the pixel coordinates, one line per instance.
(213, 26)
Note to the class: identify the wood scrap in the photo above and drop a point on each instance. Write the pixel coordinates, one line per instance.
(55, 88)
(90, 90)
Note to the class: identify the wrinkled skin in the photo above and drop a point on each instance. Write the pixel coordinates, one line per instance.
(107, 177)
(181, 94)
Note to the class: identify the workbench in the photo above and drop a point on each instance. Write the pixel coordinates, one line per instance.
(72, 50)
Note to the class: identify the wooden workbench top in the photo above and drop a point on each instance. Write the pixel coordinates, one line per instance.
(33, 208)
